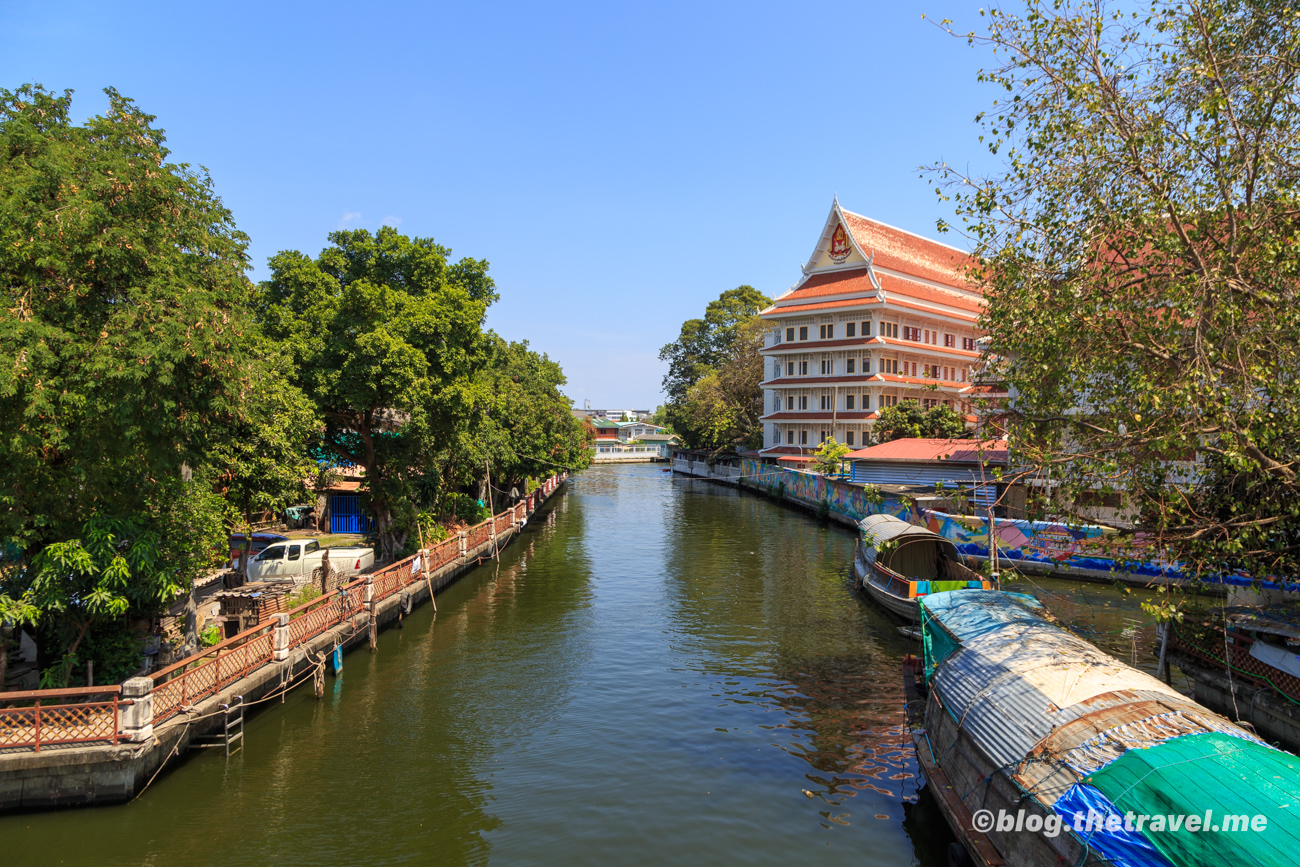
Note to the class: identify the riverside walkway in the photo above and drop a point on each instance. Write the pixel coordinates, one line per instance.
(77, 746)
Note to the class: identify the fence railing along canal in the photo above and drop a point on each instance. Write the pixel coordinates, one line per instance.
(94, 715)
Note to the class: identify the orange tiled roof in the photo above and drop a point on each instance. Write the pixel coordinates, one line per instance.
(857, 282)
(911, 254)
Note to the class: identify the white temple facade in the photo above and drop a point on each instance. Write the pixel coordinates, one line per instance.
(879, 316)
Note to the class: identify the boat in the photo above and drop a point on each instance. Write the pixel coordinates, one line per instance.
(1041, 749)
(897, 563)
(1244, 660)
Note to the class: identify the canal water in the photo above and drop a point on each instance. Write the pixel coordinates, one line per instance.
(661, 670)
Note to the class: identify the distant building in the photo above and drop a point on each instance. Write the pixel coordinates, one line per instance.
(879, 316)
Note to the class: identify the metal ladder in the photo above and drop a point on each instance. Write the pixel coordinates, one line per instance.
(231, 733)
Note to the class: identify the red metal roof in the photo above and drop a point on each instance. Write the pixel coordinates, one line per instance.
(933, 450)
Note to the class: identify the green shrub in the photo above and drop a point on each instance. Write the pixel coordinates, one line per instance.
(468, 509)
(301, 596)
(210, 636)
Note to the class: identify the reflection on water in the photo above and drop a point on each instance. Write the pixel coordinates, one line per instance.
(661, 670)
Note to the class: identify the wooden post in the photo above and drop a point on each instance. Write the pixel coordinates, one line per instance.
(492, 511)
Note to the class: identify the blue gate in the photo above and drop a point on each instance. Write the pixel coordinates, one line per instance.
(346, 515)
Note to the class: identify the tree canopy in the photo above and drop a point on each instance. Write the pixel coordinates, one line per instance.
(152, 398)
(1141, 247)
(714, 369)
(123, 353)
(385, 336)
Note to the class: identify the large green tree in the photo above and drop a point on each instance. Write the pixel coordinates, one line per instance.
(1141, 242)
(385, 336)
(124, 352)
(698, 353)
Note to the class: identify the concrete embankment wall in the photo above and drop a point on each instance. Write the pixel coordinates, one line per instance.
(72, 774)
(1042, 548)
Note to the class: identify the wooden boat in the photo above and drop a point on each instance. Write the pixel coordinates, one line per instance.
(1244, 660)
(897, 563)
(1040, 749)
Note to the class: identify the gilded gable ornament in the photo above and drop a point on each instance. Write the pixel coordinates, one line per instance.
(839, 244)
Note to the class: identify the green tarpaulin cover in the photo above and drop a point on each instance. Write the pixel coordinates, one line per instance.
(1228, 775)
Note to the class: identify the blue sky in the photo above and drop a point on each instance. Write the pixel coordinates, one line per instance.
(619, 165)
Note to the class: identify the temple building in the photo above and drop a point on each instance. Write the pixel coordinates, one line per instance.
(879, 316)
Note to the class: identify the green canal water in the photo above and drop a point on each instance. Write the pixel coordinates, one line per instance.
(661, 670)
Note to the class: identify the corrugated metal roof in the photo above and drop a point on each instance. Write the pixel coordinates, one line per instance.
(1016, 677)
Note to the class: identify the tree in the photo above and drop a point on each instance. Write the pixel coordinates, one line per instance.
(700, 349)
(523, 425)
(907, 420)
(722, 409)
(385, 336)
(124, 350)
(829, 456)
(901, 421)
(942, 422)
(262, 463)
(1141, 246)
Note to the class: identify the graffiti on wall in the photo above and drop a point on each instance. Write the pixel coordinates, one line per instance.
(1067, 547)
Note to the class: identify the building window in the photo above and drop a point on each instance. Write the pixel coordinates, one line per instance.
(887, 329)
(803, 368)
(827, 367)
(821, 437)
(968, 344)
(888, 400)
(789, 402)
(927, 335)
(826, 401)
(803, 332)
(789, 368)
(913, 368)
(848, 365)
(866, 329)
(826, 332)
(848, 401)
(950, 340)
(803, 437)
(789, 437)
(849, 328)
(866, 400)
(963, 374)
(848, 437)
(789, 335)
(803, 401)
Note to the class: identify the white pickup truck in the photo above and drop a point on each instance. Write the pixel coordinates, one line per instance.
(296, 560)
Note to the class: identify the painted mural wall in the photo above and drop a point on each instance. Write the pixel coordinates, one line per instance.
(1085, 548)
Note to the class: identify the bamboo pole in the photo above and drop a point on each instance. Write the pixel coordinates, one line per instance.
(424, 566)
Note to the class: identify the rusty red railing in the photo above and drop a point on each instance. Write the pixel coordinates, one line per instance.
(312, 618)
(196, 677)
(45, 717)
